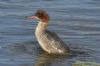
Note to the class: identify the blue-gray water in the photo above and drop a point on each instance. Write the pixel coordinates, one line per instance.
(77, 22)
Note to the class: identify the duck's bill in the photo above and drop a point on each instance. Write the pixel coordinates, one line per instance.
(31, 17)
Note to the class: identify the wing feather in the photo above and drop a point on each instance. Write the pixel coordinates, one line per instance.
(56, 42)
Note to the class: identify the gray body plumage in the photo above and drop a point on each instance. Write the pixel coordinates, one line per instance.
(49, 41)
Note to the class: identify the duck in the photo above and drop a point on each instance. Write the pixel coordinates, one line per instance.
(48, 40)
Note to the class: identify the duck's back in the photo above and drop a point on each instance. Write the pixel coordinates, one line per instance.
(51, 43)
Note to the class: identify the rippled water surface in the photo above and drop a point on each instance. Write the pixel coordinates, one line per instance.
(77, 22)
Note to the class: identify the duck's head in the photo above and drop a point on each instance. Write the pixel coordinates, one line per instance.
(40, 15)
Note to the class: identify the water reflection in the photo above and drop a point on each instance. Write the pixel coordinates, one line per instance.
(46, 59)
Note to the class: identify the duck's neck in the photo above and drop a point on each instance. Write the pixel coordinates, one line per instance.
(41, 26)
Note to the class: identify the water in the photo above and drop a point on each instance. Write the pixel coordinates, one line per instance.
(77, 22)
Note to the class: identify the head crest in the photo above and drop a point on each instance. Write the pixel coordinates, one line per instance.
(42, 15)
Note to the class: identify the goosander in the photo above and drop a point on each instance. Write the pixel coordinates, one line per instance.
(48, 40)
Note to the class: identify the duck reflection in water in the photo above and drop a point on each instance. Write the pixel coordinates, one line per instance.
(46, 59)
